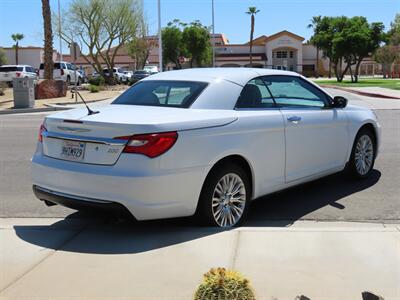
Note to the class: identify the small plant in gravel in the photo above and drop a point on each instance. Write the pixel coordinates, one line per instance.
(96, 81)
(222, 284)
(94, 88)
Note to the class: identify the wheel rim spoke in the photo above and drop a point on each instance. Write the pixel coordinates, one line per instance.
(228, 200)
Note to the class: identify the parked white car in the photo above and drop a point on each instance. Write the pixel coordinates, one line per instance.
(119, 75)
(63, 71)
(151, 69)
(201, 141)
(9, 72)
(128, 74)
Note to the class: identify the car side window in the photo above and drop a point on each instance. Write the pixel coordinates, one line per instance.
(70, 67)
(292, 91)
(255, 95)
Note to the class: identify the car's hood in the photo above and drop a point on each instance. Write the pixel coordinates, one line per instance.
(145, 119)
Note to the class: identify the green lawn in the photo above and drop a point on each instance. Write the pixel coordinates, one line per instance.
(393, 84)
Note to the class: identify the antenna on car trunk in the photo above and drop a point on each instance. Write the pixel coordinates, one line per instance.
(90, 112)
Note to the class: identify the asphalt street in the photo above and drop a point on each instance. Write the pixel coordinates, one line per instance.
(334, 198)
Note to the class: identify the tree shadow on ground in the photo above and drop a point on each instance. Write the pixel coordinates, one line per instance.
(97, 234)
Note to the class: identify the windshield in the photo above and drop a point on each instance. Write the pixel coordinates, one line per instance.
(10, 69)
(141, 72)
(162, 93)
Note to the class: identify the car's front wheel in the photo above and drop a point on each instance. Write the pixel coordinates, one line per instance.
(363, 154)
(225, 196)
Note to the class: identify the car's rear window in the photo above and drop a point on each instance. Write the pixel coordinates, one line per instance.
(11, 69)
(162, 93)
(56, 66)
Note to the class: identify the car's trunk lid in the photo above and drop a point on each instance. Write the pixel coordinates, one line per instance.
(75, 132)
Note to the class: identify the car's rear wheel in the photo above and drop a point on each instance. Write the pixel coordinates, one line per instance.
(225, 196)
(363, 154)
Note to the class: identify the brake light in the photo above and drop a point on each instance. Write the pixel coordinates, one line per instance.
(151, 145)
(41, 130)
(62, 72)
(18, 74)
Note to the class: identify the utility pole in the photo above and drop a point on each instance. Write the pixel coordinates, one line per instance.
(159, 37)
(213, 33)
(59, 29)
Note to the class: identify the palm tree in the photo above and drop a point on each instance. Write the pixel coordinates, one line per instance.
(252, 11)
(17, 37)
(48, 40)
(313, 24)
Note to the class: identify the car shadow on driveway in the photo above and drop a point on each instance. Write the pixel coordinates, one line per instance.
(285, 207)
(276, 210)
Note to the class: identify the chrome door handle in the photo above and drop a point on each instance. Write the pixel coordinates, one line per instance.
(294, 119)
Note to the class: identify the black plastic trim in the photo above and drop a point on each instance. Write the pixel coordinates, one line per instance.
(78, 204)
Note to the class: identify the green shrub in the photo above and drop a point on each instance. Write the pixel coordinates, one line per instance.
(222, 284)
(97, 81)
(132, 81)
(94, 88)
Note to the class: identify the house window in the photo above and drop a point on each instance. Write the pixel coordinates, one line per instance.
(281, 54)
(291, 54)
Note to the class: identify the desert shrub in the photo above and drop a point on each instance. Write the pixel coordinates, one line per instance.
(132, 81)
(94, 88)
(222, 284)
(97, 81)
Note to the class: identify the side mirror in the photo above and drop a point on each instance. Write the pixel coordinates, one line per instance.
(339, 102)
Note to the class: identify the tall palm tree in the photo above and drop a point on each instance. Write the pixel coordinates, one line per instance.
(313, 24)
(252, 11)
(48, 40)
(17, 37)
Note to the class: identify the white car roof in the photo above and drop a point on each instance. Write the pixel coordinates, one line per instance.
(15, 66)
(237, 75)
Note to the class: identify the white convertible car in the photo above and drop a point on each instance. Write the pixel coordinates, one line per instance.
(201, 142)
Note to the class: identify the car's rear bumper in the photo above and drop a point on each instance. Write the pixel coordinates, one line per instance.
(151, 194)
(76, 202)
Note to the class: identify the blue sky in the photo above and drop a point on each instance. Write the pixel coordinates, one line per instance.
(24, 16)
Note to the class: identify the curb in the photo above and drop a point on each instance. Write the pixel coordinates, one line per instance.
(374, 95)
(31, 110)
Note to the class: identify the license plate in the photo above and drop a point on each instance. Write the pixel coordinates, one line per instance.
(72, 150)
(6, 75)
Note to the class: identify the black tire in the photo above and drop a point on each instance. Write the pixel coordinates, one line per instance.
(205, 213)
(352, 168)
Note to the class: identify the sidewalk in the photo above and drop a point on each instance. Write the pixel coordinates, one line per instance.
(72, 258)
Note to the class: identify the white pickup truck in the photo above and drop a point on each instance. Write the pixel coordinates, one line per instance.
(63, 71)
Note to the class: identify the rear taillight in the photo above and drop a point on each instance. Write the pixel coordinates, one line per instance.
(41, 131)
(62, 72)
(18, 74)
(151, 145)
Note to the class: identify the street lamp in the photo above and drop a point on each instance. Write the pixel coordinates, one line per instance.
(159, 37)
(213, 33)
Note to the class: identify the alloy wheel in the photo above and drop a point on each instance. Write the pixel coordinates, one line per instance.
(364, 154)
(229, 200)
